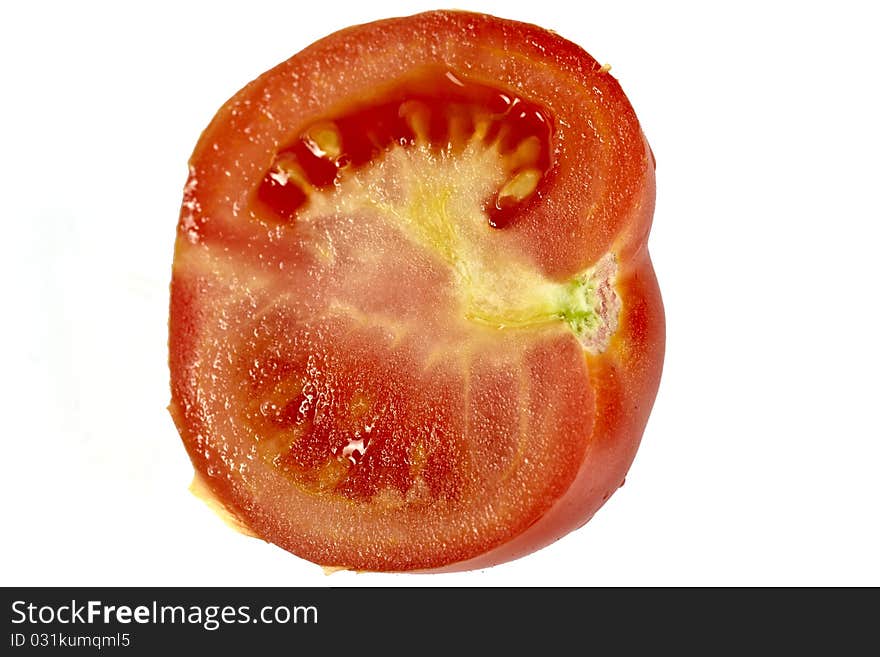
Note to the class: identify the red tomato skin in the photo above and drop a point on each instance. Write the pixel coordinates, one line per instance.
(594, 204)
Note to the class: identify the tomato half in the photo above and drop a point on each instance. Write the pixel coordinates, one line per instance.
(414, 324)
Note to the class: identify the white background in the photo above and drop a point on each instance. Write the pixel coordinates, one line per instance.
(760, 461)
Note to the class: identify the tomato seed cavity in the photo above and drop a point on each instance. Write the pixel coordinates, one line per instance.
(435, 110)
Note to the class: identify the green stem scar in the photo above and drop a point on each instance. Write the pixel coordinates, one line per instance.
(587, 303)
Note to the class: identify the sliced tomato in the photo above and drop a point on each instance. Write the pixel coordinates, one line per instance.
(414, 324)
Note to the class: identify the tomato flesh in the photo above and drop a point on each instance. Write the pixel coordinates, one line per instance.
(384, 353)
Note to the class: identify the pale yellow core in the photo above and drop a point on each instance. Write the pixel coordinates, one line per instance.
(436, 198)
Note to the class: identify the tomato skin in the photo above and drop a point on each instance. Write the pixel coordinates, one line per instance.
(594, 203)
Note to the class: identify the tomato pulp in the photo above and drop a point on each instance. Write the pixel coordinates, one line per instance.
(414, 323)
